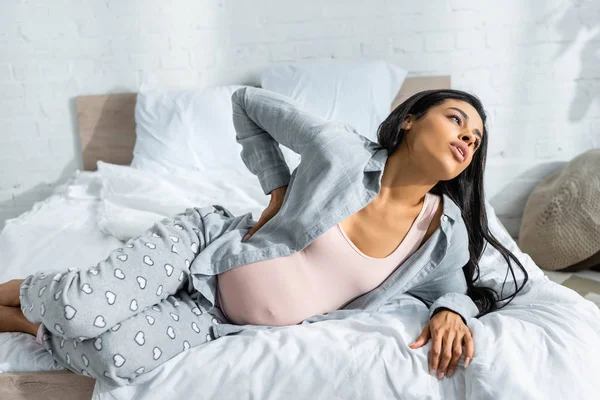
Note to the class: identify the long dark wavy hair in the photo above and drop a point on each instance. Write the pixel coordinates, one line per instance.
(466, 190)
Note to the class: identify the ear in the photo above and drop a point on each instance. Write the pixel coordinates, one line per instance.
(406, 124)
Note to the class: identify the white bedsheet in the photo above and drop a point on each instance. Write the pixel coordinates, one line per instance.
(544, 345)
(59, 232)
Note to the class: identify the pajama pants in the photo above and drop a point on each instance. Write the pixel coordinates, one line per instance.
(130, 313)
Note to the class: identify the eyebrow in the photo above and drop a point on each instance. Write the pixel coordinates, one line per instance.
(466, 117)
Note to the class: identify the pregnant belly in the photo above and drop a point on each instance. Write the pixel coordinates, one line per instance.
(277, 292)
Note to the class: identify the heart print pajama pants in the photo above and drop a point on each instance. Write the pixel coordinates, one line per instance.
(128, 314)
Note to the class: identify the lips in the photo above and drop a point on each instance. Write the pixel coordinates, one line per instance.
(459, 150)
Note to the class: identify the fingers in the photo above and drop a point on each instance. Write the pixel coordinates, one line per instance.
(422, 339)
(435, 352)
(446, 353)
(250, 233)
(256, 227)
(456, 353)
(469, 348)
(266, 215)
(447, 349)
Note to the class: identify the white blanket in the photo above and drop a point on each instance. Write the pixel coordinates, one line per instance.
(544, 345)
(132, 199)
(59, 232)
(538, 350)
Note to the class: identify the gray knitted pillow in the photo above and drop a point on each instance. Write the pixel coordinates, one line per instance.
(561, 220)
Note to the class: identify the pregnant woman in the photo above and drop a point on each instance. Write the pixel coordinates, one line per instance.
(356, 224)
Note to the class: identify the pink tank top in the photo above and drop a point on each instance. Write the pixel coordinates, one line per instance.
(323, 277)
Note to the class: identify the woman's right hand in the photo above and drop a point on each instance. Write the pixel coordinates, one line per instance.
(277, 196)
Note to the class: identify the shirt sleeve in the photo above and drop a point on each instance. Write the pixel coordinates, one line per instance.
(265, 119)
(448, 291)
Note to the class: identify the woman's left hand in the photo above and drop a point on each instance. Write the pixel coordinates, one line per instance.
(448, 333)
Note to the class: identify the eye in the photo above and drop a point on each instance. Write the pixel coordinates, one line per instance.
(457, 117)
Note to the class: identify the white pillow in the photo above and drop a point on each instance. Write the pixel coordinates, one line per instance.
(359, 93)
(180, 130)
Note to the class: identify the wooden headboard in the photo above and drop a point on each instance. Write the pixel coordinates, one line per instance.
(107, 124)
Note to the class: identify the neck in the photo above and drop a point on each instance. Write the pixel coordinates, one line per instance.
(403, 182)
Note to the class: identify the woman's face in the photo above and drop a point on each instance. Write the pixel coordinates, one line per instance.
(445, 139)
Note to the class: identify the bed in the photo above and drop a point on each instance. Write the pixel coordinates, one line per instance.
(107, 134)
(541, 346)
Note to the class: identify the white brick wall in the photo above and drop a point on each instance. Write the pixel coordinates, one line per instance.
(534, 63)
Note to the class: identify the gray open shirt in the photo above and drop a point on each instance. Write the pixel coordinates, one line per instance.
(339, 173)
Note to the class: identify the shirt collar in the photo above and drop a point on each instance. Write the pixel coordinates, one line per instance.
(377, 163)
(377, 160)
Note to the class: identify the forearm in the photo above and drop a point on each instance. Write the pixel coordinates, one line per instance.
(278, 194)
(447, 292)
(260, 112)
(263, 120)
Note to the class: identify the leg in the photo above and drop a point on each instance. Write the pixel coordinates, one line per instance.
(86, 303)
(9, 293)
(13, 320)
(139, 344)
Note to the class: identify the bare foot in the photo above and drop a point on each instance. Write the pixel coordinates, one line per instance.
(13, 320)
(10, 293)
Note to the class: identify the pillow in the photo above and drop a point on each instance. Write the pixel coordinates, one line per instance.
(180, 130)
(359, 93)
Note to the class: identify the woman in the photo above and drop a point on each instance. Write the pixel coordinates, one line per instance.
(356, 223)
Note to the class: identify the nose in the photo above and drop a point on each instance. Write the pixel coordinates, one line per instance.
(468, 137)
